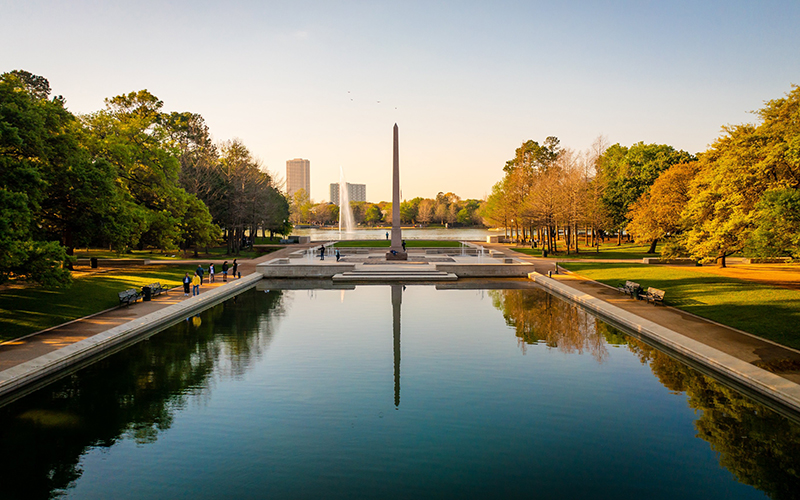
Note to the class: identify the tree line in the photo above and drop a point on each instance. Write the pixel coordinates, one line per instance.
(127, 176)
(742, 195)
(446, 208)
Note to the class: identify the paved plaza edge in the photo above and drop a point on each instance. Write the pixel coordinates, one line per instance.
(776, 388)
(48, 365)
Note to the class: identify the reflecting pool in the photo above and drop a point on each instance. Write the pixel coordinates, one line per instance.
(393, 392)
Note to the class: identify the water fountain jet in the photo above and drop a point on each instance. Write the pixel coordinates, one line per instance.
(345, 210)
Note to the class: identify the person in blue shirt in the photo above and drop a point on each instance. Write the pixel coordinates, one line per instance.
(199, 271)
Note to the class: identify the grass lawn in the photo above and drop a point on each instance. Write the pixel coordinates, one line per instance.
(267, 241)
(28, 310)
(409, 244)
(213, 253)
(767, 311)
(607, 251)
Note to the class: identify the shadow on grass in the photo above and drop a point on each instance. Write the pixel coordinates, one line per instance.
(28, 310)
(757, 308)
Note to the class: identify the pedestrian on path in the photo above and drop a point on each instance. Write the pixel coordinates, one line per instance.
(322, 252)
(235, 267)
(387, 235)
(187, 282)
(338, 255)
(404, 245)
(196, 282)
(225, 271)
(211, 273)
(199, 272)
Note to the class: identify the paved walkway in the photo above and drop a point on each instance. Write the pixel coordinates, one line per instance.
(736, 343)
(18, 351)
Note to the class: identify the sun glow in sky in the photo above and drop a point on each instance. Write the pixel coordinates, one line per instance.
(466, 82)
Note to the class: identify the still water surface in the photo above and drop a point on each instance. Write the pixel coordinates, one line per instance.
(381, 392)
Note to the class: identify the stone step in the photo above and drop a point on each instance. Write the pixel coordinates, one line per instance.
(401, 275)
(370, 272)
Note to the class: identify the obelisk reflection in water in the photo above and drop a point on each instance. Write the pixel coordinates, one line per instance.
(397, 300)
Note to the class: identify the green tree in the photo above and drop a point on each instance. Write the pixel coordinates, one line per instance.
(373, 215)
(777, 224)
(496, 210)
(140, 141)
(629, 172)
(36, 140)
(409, 210)
(741, 167)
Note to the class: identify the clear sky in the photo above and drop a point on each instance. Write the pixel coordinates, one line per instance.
(467, 82)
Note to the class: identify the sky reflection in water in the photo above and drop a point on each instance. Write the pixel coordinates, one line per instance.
(385, 392)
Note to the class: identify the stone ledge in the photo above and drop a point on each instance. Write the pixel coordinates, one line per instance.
(51, 364)
(487, 270)
(303, 270)
(774, 388)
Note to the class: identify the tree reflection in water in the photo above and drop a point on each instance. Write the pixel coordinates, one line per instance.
(759, 446)
(133, 394)
(540, 318)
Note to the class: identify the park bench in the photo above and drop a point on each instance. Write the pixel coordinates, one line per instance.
(629, 288)
(654, 295)
(128, 296)
(156, 289)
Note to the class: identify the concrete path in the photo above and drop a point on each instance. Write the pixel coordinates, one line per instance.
(736, 343)
(15, 352)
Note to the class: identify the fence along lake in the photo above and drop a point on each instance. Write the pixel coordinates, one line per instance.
(394, 392)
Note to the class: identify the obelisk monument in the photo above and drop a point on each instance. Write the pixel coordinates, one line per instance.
(396, 251)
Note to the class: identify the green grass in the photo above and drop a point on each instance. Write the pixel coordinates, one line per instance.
(535, 252)
(28, 310)
(607, 251)
(220, 253)
(213, 253)
(760, 309)
(409, 244)
(267, 241)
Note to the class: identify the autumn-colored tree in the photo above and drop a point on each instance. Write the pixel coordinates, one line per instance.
(300, 207)
(425, 212)
(737, 172)
(657, 214)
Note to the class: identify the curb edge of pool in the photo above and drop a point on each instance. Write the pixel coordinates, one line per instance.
(777, 389)
(30, 375)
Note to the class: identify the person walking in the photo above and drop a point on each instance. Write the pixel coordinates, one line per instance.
(322, 252)
(211, 273)
(187, 282)
(196, 282)
(235, 267)
(338, 255)
(404, 245)
(199, 272)
(225, 271)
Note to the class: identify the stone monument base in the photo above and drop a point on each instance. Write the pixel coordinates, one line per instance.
(396, 256)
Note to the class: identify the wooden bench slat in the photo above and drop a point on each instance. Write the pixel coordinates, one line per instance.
(654, 295)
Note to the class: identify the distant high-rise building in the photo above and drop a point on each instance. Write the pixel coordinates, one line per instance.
(298, 176)
(356, 192)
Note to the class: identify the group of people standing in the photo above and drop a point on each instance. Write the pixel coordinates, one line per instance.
(194, 282)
